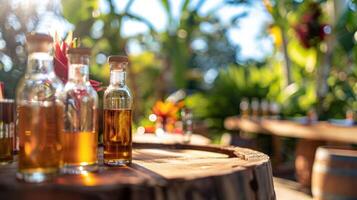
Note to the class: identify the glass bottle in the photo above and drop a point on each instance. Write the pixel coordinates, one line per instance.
(80, 137)
(117, 115)
(39, 113)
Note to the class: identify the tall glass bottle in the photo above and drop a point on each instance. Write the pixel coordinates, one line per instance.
(117, 115)
(40, 113)
(79, 138)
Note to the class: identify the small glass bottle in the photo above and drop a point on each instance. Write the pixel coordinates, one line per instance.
(117, 115)
(39, 113)
(187, 120)
(244, 108)
(80, 137)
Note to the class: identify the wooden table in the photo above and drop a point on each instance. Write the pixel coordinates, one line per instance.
(310, 136)
(316, 131)
(159, 171)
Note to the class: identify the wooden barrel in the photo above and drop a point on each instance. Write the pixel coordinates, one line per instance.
(304, 160)
(159, 171)
(335, 174)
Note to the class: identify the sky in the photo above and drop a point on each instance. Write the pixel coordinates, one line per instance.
(247, 35)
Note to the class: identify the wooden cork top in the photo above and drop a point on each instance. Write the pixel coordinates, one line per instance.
(38, 37)
(38, 42)
(118, 59)
(79, 50)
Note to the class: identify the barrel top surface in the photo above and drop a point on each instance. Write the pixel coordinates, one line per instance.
(155, 163)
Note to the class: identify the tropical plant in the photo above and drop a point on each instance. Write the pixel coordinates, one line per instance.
(316, 45)
(178, 64)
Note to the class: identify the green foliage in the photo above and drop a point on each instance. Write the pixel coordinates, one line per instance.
(346, 27)
(307, 64)
(231, 85)
(174, 60)
(342, 93)
(77, 11)
(297, 100)
(145, 69)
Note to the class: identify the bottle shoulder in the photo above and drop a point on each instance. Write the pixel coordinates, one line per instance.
(117, 98)
(38, 87)
(117, 91)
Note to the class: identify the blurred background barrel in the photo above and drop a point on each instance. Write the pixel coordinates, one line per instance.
(334, 174)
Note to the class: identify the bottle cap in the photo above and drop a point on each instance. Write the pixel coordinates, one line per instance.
(38, 37)
(38, 42)
(79, 50)
(118, 59)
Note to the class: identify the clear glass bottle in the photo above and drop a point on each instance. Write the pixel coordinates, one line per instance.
(117, 115)
(80, 137)
(39, 113)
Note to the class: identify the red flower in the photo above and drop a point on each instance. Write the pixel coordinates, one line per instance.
(61, 63)
(310, 31)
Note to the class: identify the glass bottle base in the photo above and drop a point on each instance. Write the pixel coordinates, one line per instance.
(37, 177)
(79, 169)
(117, 162)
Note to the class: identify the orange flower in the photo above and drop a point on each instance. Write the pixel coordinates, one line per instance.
(166, 109)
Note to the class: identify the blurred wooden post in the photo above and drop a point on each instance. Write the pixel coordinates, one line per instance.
(287, 70)
(277, 144)
(2, 90)
(304, 160)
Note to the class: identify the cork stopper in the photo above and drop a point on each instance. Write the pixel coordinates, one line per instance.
(79, 51)
(118, 59)
(38, 42)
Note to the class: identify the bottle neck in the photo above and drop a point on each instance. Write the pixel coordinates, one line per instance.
(117, 77)
(39, 63)
(78, 73)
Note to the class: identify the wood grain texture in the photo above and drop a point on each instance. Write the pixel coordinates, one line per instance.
(159, 171)
(171, 139)
(317, 131)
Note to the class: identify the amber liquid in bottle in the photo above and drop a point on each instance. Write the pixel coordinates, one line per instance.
(39, 129)
(79, 148)
(117, 136)
(6, 150)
